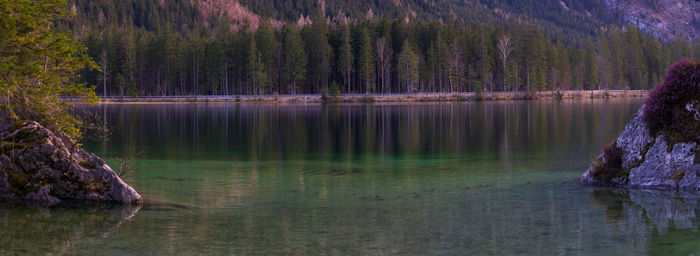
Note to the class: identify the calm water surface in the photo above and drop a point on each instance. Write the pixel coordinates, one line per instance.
(491, 178)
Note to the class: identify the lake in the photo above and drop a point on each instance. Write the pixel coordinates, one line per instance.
(460, 178)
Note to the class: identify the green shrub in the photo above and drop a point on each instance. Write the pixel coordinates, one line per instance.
(335, 89)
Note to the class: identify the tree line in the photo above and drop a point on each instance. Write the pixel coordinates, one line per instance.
(370, 55)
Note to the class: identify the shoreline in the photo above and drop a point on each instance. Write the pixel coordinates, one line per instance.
(368, 98)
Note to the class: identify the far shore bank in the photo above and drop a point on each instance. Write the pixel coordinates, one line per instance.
(351, 98)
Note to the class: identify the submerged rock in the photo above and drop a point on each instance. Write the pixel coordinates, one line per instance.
(647, 161)
(37, 164)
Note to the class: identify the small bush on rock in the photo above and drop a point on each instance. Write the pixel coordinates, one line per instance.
(673, 105)
(609, 165)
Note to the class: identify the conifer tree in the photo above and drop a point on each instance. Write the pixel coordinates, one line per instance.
(345, 56)
(616, 58)
(576, 68)
(295, 61)
(408, 67)
(635, 69)
(604, 69)
(366, 61)
(39, 64)
(539, 66)
(552, 56)
(318, 51)
(484, 62)
(564, 67)
(267, 45)
(257, 77)
(590, 67)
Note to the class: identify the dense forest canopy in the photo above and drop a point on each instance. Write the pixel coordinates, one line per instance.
(223, 47)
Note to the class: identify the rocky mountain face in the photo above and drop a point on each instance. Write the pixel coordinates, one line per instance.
(665, 19)
(39, 165)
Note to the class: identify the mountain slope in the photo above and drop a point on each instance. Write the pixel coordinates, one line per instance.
(572, 19)
(663, 18)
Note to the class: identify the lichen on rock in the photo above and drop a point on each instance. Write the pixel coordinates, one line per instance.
(662, 169)
(37, 164)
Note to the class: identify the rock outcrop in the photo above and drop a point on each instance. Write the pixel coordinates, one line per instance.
(37, 164)
(647, 161)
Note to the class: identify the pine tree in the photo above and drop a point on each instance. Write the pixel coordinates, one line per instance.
(635, 69)
(552, 56)
(485, 62)
(408, 67)
(604, 69)
(257, 77)
(456, 66)
(345, 57)
(366, 61)
(538, 58)
(576, 68)
(616, 58)
(564, 67)
(529, 54)
(38, 64)
(590, 67)
(294, 57)
(653, 62)
(318, 51)
(267, 45)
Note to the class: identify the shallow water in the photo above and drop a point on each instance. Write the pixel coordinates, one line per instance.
(492, 178)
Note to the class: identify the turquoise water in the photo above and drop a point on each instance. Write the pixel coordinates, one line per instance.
(487, 178)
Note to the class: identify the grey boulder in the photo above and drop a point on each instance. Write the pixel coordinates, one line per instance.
(37, 164)
(650, 162)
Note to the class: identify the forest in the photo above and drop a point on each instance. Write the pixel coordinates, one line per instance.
(174, 49)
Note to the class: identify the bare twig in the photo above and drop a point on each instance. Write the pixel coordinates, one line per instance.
(126, 165)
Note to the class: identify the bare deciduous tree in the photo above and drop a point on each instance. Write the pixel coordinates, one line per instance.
(504, 48)
(383, 63)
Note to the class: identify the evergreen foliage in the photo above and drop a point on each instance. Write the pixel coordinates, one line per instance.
(39, 64)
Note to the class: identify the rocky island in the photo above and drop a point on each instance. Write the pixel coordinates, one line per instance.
(39, 165)
(660, 147)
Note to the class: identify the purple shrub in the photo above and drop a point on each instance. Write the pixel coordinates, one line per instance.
(613, 157)
(665, 110)
(610, 165)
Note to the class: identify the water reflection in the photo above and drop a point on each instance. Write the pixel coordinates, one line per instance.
(35, 229)
(663, 221)
(485, 178)
(437, 130)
